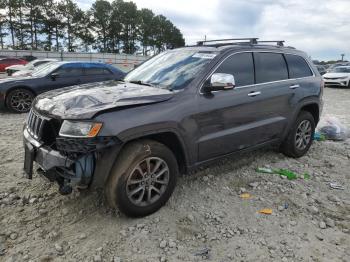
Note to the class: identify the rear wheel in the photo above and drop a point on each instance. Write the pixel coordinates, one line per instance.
(142, 179)
(19, 100)
(300, 136)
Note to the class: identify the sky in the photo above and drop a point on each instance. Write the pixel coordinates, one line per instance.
(319, 27)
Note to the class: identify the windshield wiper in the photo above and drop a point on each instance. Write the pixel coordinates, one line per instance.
(139, 82)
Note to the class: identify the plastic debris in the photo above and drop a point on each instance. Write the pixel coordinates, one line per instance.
(245, 196)
(335, 185)
(203, 253)
(306, 176)
(332, 129)
(265, 170)
(287, 173)
(282, 172)
(266, 211)
(319, 137)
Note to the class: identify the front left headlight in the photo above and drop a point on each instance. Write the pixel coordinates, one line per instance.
(79, 129)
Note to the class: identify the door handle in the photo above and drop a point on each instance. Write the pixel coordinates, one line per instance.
(254, 93)
(294, 86)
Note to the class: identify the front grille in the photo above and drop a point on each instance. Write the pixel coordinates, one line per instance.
(68, 145)
(35, 125)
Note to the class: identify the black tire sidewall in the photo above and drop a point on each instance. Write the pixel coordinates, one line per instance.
(290, 143)
(119, 187)
(8, 99)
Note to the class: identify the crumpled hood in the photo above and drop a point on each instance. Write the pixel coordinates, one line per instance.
(335, 75)
(84, 101)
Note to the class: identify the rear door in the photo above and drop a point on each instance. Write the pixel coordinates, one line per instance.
(96, 73)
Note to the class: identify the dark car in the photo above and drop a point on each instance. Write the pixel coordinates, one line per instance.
(5, 62)
(18, 93)
(179, 110)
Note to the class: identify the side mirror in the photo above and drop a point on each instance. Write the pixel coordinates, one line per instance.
(219, 82)
(54, 76)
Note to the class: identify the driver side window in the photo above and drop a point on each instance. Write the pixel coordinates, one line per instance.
(241, 66)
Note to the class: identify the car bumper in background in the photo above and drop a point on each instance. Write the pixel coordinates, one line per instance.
(340, 82)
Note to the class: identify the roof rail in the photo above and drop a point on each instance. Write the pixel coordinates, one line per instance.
(278, 42)
(251, 41)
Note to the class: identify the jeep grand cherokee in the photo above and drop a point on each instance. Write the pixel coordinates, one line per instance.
(180, 109)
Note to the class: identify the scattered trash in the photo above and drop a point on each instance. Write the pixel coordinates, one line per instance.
(319, 137)
(265, 170)
(289, 174)
(245, 196)
(266, 211)
(203, 253)
(335, 185)
(282, 172)
(332, 129)
(306, 176)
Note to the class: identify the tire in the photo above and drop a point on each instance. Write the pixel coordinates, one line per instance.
(291, 146)
(126, 172)
(19, 100)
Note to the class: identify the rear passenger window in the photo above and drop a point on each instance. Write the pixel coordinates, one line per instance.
(97, 71)
(270, 67)
(297, 66)
(241, 66)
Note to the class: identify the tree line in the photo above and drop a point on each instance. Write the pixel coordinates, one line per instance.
(54, 25)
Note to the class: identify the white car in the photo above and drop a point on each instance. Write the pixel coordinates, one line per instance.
(28, 68)
(338, 76)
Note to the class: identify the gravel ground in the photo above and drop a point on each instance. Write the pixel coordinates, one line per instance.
(206, 219)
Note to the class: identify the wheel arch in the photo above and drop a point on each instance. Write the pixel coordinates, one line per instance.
(311, 106)
(8, 91)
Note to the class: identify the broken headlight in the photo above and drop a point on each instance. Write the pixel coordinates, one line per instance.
(80, 129)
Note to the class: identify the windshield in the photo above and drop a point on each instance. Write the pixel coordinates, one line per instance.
(341, 70)
(45, 69)
(172, 70)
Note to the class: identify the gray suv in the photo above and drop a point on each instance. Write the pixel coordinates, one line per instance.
(180, 109)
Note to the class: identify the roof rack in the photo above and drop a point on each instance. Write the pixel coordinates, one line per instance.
(231, 41)
(251, 41)
(278, 42)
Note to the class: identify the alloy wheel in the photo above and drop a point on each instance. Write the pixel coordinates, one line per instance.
(148, 181)
(303, 135)
(21, 100)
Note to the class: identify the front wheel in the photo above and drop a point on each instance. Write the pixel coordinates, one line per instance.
(19, 100)
(300, 136)
(142, 179)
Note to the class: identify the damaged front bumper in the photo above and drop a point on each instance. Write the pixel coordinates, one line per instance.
(74, 162)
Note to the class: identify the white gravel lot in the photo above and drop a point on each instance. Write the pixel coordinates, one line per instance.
(205, 219)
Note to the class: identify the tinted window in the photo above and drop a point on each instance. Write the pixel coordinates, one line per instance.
(297, 66)
(270, 67)
(241, 67)
(70, 70)
(97, 71)
(40, 63)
